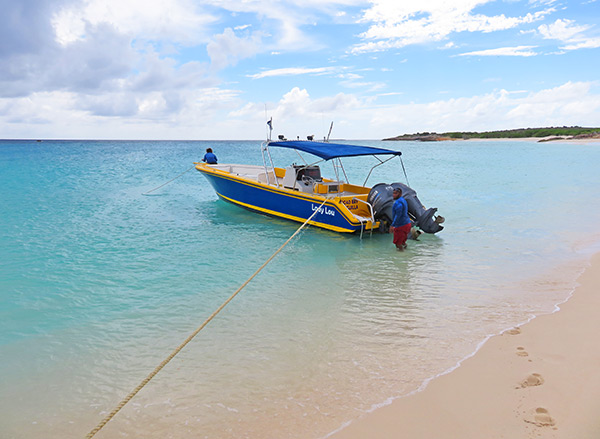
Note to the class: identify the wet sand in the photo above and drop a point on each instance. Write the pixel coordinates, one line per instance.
(540, 380)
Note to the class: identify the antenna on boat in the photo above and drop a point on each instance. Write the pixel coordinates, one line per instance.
(270, 124)
(329, 133)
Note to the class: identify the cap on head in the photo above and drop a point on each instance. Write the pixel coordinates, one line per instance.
(397, 189)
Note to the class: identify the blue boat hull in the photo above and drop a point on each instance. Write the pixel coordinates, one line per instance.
(283, 203)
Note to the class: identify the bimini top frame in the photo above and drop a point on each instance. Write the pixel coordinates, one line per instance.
(328, 151)
(332, 151)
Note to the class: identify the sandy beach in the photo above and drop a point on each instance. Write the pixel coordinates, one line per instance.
(539, 380)
(564, 139)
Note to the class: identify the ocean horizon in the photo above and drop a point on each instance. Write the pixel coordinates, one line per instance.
(99, 283)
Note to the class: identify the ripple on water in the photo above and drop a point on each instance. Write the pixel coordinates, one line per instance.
(99, 284)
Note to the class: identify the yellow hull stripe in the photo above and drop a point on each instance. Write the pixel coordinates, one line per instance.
(289, 217)
(340, 207)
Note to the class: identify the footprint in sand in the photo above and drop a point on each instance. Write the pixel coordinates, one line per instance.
(521, 352)
(535, 379)
(541, 418)
(514, 331)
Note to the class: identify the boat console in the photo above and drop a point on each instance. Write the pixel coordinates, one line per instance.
(308, 172)
(302, 178)
(308, 179)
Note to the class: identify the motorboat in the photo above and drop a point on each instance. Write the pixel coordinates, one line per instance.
(298, 191)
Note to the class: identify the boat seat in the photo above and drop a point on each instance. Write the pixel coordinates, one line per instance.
(224, 168)
(262, 177)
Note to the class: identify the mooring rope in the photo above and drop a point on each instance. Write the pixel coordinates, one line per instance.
(193, 334)
(173, 179)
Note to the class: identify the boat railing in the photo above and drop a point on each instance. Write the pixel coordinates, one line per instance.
(372, 216)
(265, 148)
(381, 162)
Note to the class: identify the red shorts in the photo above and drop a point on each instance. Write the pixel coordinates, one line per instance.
(401, 234)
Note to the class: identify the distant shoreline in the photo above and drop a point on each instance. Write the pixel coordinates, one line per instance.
(514, 139)
(539, 134)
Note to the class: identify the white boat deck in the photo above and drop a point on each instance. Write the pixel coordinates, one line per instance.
(257, 173)
(317, 188)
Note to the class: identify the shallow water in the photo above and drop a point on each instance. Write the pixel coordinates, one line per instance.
(98, 284)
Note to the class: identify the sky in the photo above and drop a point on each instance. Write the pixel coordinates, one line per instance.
(219, 69)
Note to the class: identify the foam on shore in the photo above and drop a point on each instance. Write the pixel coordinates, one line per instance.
(538, 379)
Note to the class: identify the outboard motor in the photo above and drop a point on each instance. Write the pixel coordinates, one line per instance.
(380, 197)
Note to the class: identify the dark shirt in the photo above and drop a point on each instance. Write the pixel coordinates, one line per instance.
(400, 213)
(210, 158)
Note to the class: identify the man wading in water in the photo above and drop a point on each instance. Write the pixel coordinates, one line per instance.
(401, 224)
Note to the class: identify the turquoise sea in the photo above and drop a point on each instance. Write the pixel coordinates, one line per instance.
(99, 283)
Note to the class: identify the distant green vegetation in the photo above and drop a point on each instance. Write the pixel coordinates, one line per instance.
(545, 134)
(523, 132)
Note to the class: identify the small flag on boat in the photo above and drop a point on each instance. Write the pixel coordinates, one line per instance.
(270, 123)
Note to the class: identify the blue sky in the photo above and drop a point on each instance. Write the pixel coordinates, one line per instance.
(185, 69)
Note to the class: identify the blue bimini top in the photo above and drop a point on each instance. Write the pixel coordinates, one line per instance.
(330, 151)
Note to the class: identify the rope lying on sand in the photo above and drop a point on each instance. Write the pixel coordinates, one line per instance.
(193, 334)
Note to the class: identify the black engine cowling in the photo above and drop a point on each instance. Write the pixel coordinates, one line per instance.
(380, 197)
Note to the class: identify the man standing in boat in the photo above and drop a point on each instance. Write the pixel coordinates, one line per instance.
(401, 224)
(210, 157)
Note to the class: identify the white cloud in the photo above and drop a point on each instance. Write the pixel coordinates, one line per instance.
(503, 51)
(397, 24)
(189, 22)
(572, 103)
(142, 69)
(172, 20)
(296, 113)
(353, 80)
(101, 69)
(292, 71)
(543, 2)
(227, 48)
(100, 60)
(25, 28)
(146, 116)
(294, 103)
(284, 20)
(591, 43)
(570, 34)
(563, 30)
(68, 27)
(565, 104)
(109, 105)
(43, 115)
